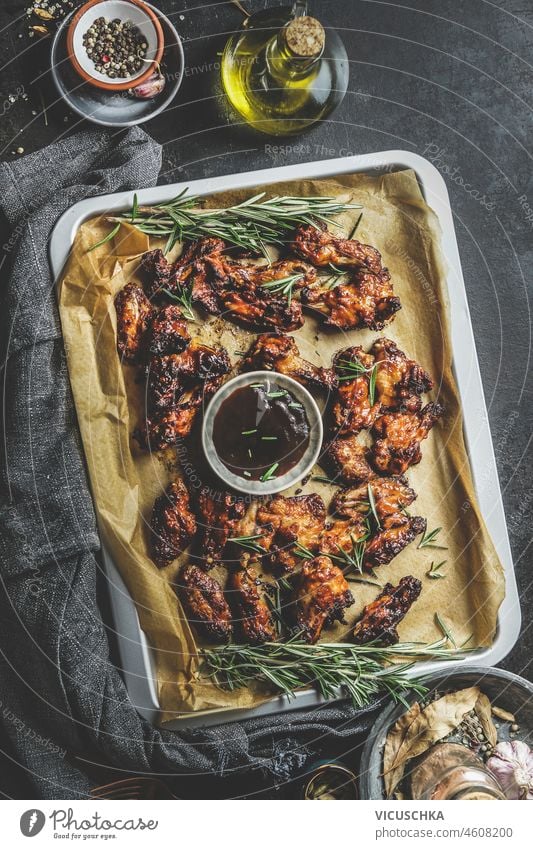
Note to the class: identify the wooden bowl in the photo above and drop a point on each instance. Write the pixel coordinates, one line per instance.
(141, 15)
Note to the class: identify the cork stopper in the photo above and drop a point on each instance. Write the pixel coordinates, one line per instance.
(305, 37)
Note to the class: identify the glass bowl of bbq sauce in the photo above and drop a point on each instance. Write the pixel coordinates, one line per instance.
(262, 432)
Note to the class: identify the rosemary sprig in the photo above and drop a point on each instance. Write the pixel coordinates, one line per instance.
(184, 299)
(428, 540)
(445, 630)
(249, 543)
(372, 505)
(303, 552)
(361, 671)
(324, 479)
(251, 225)
(354, 368)
(434, 570)
(283, 286)
(112, 233)
(270, 473)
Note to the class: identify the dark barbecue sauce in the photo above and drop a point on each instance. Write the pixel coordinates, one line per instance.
(261, 431)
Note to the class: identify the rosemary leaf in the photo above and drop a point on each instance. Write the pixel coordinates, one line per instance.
(445, 630)
(372, 505)
(112, 233)
(434, 570)
(270, 473)
(428, 540)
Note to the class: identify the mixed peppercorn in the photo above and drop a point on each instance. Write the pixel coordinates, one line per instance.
(117, 48)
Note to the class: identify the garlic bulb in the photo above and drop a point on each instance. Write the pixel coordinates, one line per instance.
(151, 87)
(512, 764)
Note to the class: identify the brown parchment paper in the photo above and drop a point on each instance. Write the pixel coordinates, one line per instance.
(125, 481)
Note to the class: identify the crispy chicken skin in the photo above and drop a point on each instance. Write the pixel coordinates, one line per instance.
(380, 617)
(168, 332)
(396, 532)
(352, 410)
(345, 460)
(227, 288)
(165, 428)
(286, 268)
(322, 596)
(134, 312)
(400, 381)
(155, 271)
(253, 618)
(340, 535)
(300, 518)
(170, 376)
(391, 495)
(271, 352)
(204, 603)
(219, 514)
(320, 247)
(173, 524)
(398, 438)
(366, 299)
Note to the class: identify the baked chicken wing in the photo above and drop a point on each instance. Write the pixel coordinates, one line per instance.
(321, 248)
(252, 615)
(395, 533)
(231, 289)
(391, 495)
(155, 271)
(298, 519)
(168, 332)
(380, 617)
(167, 426)
(134, 312)
(398, 438)
(365, 299)
(353, 408)
(219, 514)
(322, 596)
(170, 376)
(204, 603)
(345, 460)
(400, 381)
(173, 524)
(279, 353)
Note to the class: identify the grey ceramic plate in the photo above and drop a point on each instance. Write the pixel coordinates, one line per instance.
(116, 109)
(503, 688)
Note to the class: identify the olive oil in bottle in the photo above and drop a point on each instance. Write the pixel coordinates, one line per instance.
(283, 71)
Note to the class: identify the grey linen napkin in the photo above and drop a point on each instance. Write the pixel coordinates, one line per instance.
(61, 698)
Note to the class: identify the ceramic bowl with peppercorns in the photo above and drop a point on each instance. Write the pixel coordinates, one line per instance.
(115, 44)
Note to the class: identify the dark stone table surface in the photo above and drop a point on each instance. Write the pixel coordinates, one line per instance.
(447, 79)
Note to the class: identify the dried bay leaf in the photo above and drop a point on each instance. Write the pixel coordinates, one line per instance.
(483, 713)
(436, 721)
(395, 737)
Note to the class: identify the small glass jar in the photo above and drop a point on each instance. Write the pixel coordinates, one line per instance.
(450, 771)
(331, 781)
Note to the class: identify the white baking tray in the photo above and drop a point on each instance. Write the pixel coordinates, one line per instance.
(135, 653)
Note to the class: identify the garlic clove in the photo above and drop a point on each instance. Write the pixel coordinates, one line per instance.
(512, 765)
(151, 87)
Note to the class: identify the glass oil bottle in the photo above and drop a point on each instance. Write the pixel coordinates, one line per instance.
(283, 72)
